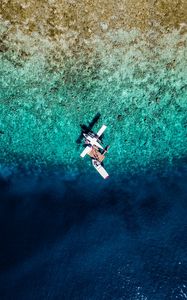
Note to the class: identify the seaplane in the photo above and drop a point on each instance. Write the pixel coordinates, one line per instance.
(95, 150)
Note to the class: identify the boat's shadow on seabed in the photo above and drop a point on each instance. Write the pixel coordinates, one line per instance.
(87, 128)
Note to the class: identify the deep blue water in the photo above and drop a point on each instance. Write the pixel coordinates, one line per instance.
(85, 238)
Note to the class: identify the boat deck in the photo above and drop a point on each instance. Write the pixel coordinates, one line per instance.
(94, 153)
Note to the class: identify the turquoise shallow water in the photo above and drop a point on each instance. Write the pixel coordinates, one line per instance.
(136, 81)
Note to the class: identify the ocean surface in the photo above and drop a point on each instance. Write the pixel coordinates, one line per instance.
(65, 232)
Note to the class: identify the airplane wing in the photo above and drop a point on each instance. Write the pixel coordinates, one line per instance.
(97, 165)
(85, 151)
(101, 130)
